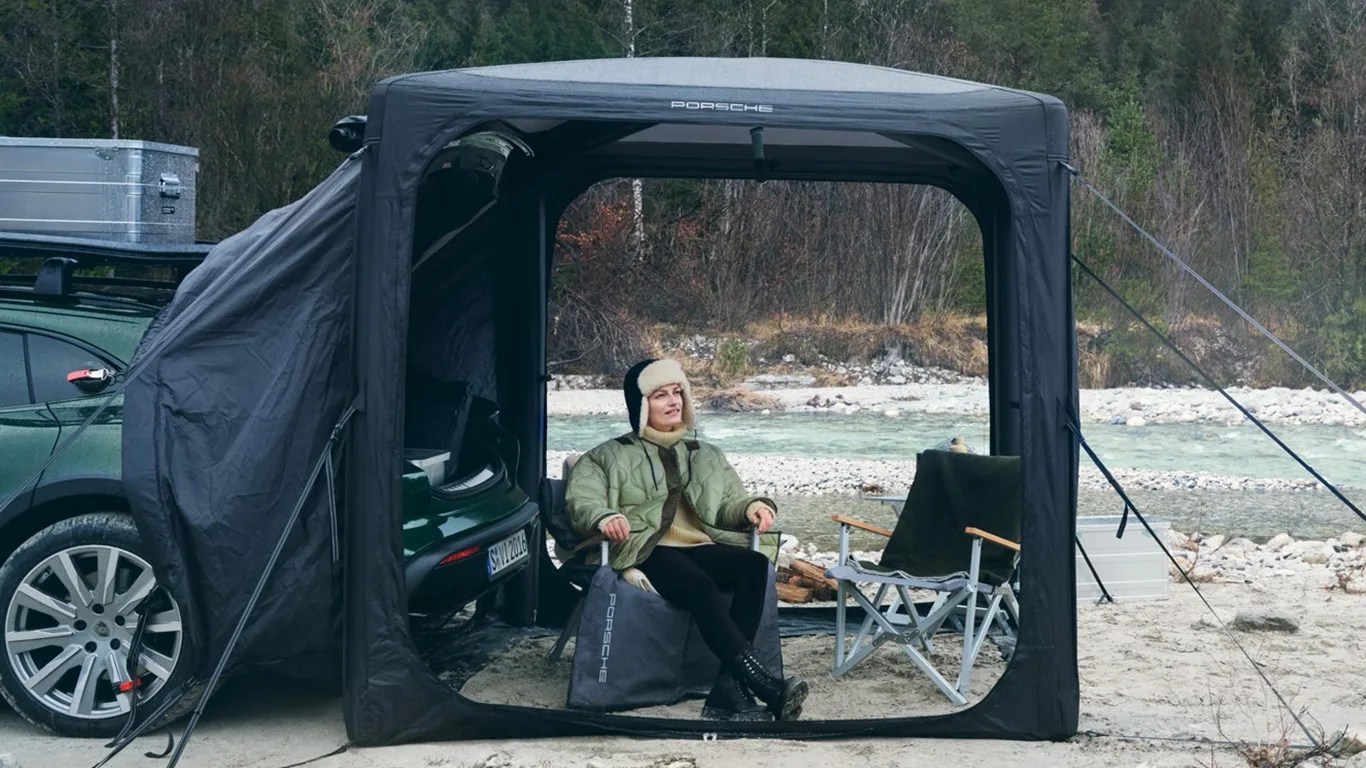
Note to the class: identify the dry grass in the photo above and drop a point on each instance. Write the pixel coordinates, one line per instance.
(954, 342)
(1107, 356)
(1189, 572)
(1350, 580)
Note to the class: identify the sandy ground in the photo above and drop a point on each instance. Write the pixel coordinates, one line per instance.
(1158, 681)
(884, 685)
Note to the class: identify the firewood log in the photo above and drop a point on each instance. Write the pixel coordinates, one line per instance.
(791, 593)
(811, 571)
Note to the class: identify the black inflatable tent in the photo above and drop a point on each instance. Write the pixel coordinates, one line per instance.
(315, 307)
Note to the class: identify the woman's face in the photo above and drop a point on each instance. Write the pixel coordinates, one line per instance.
(666, 407)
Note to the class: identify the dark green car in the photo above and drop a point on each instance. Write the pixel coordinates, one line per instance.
(72, 568)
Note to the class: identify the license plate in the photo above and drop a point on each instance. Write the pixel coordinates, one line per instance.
(507, 553)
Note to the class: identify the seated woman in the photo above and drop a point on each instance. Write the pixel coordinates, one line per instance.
(671, 508)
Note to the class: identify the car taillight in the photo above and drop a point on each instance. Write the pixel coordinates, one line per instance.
(458, 556)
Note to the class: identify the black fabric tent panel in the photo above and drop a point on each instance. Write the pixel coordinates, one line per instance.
(997, 150)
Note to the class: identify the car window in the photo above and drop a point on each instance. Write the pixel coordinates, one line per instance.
(13, 372)
(50, 360)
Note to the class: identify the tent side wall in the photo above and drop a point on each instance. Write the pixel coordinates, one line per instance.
(230, 399)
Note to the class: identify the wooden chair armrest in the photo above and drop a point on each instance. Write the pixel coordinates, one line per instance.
(981, 534)
(852, 523)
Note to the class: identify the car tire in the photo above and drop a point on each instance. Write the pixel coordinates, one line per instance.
(67, 600)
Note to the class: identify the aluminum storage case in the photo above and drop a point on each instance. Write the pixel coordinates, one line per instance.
(1133, 568)
(126, 191)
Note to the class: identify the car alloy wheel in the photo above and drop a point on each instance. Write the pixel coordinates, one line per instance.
(69, 625)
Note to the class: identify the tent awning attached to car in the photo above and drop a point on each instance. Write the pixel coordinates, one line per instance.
(429, 252)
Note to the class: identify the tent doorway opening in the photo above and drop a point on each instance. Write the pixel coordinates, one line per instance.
(824, 260)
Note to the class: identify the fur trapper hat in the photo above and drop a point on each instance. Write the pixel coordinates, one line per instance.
(644, 378)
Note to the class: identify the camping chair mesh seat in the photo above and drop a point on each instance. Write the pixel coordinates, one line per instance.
(957, 537)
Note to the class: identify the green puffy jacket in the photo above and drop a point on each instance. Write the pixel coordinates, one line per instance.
(626, 476)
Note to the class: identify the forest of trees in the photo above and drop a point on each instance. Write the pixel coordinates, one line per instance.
(1234, 129)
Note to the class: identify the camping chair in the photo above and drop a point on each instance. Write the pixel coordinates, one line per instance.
(957, 537)
(571, 551)
(659, 656)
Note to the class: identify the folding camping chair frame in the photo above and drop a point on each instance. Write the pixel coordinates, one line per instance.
(900, 622)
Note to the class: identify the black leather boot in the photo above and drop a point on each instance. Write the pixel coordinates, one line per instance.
(784, 697)
(729, 701)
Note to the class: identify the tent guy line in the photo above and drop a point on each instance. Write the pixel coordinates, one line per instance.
(1209, 380)
(1190, 271)
(1185, 575)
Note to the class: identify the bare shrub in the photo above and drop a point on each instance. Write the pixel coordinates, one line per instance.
(585, 338)
(1280, 750)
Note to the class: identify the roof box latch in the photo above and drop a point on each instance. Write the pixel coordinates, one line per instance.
(169, 185)
(54, 277)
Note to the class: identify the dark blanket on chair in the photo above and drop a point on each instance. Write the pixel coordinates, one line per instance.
(951, 492)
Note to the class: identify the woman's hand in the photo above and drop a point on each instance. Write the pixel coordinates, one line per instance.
(616, 530)
(761, 517)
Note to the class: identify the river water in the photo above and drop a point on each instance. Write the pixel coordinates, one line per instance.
(1337, 452)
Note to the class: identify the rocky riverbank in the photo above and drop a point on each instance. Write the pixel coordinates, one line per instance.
(1132, 406)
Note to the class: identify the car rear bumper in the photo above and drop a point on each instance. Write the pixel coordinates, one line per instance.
(433, 587)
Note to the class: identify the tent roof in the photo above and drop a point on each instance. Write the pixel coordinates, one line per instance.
(691, 116)
(790, 88)
(756, 73)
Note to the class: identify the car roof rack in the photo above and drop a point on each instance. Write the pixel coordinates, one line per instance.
(89, 252)
(56, 279)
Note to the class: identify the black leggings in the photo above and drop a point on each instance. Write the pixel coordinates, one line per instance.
(695, 577)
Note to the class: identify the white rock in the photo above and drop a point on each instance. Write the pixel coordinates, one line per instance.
(1311, 552)
(897, 379)
(892, 414)
(1352, 539)
(1176, 538)
(1318, 556)
(1279, 542)
(8, 761)
(1214, 542)
(765, 412)
(1353, 742)
(1135, 421)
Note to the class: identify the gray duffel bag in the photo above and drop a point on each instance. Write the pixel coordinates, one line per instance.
(636, 649)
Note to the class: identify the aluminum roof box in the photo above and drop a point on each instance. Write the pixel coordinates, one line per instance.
(126, 191)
